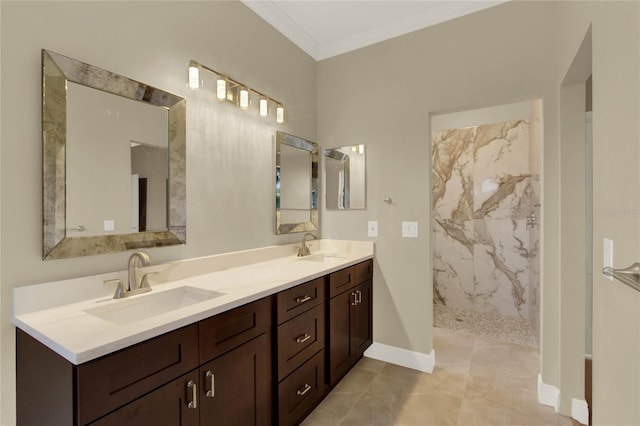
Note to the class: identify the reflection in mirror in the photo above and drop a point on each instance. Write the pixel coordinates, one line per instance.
(296, 184)
(113, 162)
(345, 177)
(122, 145)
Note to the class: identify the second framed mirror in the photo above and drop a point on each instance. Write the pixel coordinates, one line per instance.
(345, 177)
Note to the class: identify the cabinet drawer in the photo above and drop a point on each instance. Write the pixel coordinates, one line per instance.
(113, 380)
(299, 339)
(299, 299)
(301, 391)
(228, 330)
(341, 281)
(364, 271)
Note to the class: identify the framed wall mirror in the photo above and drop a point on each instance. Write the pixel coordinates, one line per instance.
(296, 184)
(345, 177)
(113, 162)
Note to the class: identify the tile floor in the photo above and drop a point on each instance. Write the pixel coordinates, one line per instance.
(477, 381)
(510, 329)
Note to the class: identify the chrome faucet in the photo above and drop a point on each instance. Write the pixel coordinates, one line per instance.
(303, 250)
(137, 259)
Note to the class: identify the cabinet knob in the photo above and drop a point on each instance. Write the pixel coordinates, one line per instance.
(194, 394)
(212, 384)
(359, 299)
(355, 299)
(303, 338)
(303, 299)
(304, 390)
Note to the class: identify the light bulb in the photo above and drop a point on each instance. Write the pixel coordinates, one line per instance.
(244, 98)
(279, 114)
(221, 88)
(194, 77)
(264, 107)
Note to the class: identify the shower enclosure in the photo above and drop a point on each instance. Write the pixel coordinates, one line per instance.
(486, 209)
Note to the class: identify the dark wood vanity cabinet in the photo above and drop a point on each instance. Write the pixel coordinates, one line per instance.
(267, 362)
(350, 318)
(212, 372)
(300, 348)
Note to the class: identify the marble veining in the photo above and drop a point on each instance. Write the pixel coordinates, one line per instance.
(483, 191)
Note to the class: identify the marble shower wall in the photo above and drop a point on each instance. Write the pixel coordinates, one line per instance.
(483, 192)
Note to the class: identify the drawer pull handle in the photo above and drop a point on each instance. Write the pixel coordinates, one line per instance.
(355, 299)
(303, 338)
(212, 383)
(359, 293)
(306, 389)
(194, 394)
(303, 299)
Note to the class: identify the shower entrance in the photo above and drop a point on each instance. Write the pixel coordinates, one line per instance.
(485, 212)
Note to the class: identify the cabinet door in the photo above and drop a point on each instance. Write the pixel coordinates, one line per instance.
(361, 330)
(340, 347)
(236, 388)
(170, 405)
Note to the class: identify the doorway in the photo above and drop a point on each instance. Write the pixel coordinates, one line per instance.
(486, 210)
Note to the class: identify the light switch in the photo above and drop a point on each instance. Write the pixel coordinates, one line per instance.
(372, 228)
(410, 229)
(607, 251)
(109, 225)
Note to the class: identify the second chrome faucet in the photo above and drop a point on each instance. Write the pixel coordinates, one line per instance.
(303, 250)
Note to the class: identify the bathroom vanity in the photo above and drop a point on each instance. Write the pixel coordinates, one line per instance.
(265, 355)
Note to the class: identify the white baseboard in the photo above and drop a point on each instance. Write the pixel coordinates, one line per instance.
(403, 357)
(548, 394)
(580, 410)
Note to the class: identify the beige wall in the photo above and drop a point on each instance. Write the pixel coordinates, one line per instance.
(230, 152)
(383, 96)
(616, 183)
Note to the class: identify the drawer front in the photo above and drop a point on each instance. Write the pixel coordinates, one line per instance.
(301, 391)
(299, 339)
(113, 380)
(299, 299)
(223, 332)
(341, 281)
(364, 271)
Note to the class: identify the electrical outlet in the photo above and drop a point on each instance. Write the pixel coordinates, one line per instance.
(372, 228)
(109, 225)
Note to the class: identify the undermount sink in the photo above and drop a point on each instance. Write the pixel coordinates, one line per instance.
(322, 257)
(141, 307)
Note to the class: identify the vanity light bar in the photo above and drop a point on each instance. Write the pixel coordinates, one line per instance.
(228, 89)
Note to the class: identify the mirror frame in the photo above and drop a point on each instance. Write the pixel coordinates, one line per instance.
(57, 71)
(345, 159)
(297, 142)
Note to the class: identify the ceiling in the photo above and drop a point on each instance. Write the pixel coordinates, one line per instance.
(329, 28)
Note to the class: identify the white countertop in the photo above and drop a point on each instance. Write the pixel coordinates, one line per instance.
(55, 313)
